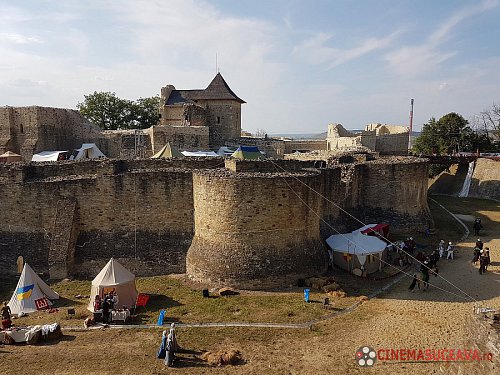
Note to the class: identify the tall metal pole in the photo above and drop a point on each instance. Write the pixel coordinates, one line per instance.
(411, 124)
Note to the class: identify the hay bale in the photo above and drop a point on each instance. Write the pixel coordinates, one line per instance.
(331, 287)
(222, 357)
(227, 292)
(337, 294)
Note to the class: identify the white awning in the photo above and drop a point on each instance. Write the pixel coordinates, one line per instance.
(47, 156)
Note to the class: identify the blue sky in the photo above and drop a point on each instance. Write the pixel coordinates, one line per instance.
(299, 64)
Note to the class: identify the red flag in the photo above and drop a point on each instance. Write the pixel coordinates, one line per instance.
(142, 299)
(42, 303)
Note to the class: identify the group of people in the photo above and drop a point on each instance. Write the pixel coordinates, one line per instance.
(443, 249)
(107, 304)
(481, 255)
(168, 346)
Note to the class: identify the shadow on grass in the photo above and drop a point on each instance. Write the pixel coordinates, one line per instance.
(56, 341)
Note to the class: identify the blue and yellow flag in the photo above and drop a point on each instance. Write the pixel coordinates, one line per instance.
(24, 292)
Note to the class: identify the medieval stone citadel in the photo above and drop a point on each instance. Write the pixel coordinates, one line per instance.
(249, 224)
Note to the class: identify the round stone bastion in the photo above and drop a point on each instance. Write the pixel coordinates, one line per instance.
(255, 230)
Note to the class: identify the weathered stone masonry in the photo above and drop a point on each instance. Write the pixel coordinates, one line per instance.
(148, 213)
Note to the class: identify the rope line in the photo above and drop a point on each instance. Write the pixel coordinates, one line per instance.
(328, 224)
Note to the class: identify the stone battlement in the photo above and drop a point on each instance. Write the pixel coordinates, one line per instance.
(149, 213)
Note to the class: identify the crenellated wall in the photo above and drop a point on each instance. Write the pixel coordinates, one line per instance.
(243, 220)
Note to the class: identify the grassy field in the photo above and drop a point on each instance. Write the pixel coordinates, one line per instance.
(186, 305)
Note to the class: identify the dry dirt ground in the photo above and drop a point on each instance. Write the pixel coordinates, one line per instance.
(396, 319)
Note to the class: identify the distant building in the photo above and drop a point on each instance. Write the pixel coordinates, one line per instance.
(382, 138)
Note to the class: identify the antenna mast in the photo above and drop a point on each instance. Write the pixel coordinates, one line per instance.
(411, 124)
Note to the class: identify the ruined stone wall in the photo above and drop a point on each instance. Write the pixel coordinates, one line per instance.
(395, 191)
(34, 129)
(392, 144)
(182, 137)
(139, 211)
(305, 145)
(251, 230)
(486, 179)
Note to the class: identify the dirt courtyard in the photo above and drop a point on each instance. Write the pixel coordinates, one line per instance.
(396, 319)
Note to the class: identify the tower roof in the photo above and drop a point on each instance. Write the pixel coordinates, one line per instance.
(218, 89)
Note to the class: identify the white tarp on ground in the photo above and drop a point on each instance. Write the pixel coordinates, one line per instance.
(199, 153)
(114, 276)
(47, 156)
(29, 289)
(356, 243)
(89, 151)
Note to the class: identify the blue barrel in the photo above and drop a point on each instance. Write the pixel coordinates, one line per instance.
(306, 295)
(161, 317)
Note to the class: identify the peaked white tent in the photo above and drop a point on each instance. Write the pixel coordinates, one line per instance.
(89, 151)
(30, 291)
(114, 276)
(353, 250)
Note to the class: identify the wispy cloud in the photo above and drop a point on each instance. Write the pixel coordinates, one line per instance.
(18, 38)
(316, 50)
(417, 59)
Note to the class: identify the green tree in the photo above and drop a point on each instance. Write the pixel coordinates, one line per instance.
(145, 112)
(110, 112)
(451, 133)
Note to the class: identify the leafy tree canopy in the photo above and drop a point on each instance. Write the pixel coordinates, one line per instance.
(451, 133)
(110, 112)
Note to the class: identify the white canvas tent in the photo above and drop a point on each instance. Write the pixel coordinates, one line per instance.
(199, 153)
(351, 250)
(29, 289)
(89, 151)
(114, 276)
(47, 156)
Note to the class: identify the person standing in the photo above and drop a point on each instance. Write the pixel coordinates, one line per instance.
(487, 256)
(105, 310)
(449, 250)
(442, 248)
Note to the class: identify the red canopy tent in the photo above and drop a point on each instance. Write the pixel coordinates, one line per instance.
(376, 230)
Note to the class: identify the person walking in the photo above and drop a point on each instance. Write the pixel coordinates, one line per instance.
(449, 250)
(477, 226)
(482, 262)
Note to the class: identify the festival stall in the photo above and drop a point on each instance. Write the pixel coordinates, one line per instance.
(115, 278)
(10, 157)
(356, 251)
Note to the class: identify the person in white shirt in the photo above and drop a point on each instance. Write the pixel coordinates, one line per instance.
(450, 251)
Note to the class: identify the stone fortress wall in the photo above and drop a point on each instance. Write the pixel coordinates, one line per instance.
(71, 217)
